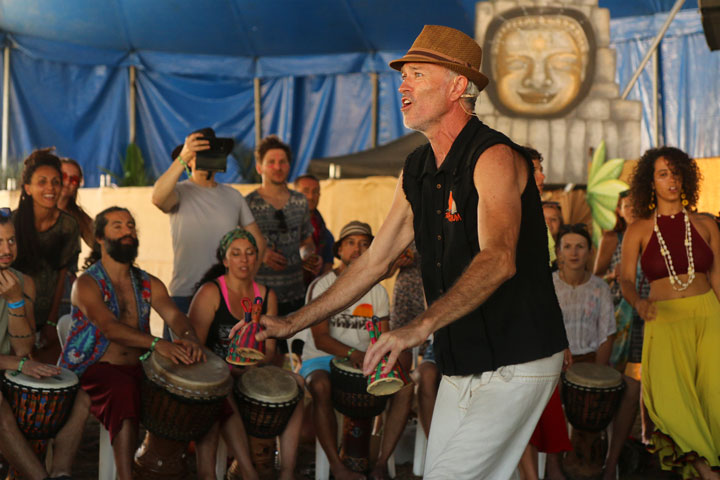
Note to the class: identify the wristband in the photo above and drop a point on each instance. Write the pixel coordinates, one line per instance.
(349, 353)
(145, 355)
(51, 323)
(20, 366)
(187, 169)
(18, 304)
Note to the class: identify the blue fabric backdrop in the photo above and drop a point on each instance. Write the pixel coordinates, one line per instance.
(76, 98)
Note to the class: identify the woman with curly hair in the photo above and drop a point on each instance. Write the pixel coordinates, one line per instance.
(678, 253)
(48, 241)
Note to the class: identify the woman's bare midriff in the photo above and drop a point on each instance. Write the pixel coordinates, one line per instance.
(661, 289)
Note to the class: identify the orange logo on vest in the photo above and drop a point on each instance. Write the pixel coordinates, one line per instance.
(451, 214)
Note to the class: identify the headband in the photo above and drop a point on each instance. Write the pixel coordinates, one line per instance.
(233, 235)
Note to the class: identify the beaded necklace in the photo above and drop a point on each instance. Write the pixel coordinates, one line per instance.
(675, 281)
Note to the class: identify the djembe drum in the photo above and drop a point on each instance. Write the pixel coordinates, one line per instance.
(591, 394)
(178, 403)
(351, 398)
(266, 398)
(41, 406)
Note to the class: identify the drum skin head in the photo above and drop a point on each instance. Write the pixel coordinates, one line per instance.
(385, 386)
(268, 384)
(593, 375)
(65, 379)
(207, 379)
(345, 365)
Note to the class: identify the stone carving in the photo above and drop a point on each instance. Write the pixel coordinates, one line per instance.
(564, 43)
(542, 60)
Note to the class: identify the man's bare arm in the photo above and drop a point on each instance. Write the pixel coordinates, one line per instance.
(394, 236)
(500, 176)
(87, 296)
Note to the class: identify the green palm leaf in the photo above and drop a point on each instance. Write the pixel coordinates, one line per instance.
(603, 189)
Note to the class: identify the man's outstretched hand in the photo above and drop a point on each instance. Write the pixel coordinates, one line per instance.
(393, 343)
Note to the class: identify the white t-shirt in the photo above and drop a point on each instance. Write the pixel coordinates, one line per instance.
(588, 313)
(347, 326)
(198, 222)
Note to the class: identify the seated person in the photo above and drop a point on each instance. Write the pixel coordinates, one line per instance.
(584, 298)
(17, 337)
(211, 316)
(345, 335)
(111, 331)
(589, 316)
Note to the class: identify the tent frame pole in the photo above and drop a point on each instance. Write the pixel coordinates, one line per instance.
(258, 110)
(374, 110)
(671, 16)
(5, 107)
(132, 106)
(655, 100)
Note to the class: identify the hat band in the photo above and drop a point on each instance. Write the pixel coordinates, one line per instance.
(435, 56)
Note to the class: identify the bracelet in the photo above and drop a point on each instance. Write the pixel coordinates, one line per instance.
(349, 353)
(18, 304)
(145, 355)
(187, 169)
(20, 366)
(51, 323)
(21, 315)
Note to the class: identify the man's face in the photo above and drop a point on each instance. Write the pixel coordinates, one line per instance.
(311, 189)
(8, 245)
(553, 219)
(539, 70)
(539, 175)
(352, 247)
(275, 166)
(424, 94)
(120, 241)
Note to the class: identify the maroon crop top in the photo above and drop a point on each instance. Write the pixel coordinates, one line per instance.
(673, 232)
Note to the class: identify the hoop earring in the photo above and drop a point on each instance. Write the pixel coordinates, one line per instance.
(684, 202)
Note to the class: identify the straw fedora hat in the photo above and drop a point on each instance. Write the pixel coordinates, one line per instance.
(448, 48)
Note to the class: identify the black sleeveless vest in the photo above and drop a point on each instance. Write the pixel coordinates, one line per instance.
(521, 321)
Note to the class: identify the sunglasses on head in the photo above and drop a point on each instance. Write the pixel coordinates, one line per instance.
(71, 179)
(280, 217)
(5, 212)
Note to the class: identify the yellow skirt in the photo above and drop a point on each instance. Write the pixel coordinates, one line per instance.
(681, 381)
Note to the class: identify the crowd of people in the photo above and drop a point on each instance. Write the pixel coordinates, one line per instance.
(498, 294)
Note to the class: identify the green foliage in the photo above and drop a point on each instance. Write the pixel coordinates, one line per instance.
(603, 189)
(134, 174)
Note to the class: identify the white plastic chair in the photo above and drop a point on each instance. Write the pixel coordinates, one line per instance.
(106, 460)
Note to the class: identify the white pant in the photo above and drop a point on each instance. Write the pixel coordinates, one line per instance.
(482, 423)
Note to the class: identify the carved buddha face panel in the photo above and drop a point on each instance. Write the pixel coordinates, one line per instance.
(540, 64)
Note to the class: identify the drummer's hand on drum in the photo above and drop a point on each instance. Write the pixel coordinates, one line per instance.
(34, 369)
(357, 358)
(174, 351)
(193, 349)
(567, 359)
(646, 309)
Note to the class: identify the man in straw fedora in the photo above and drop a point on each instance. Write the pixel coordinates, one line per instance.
(469, 200)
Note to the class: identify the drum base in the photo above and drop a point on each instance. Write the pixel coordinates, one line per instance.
(160, 459)
(262, 453)
(355, 449)
(586, 460)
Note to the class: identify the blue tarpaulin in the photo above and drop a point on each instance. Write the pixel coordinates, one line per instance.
(196, 62)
